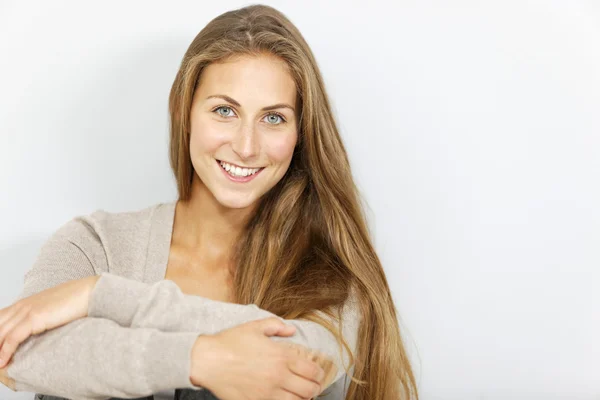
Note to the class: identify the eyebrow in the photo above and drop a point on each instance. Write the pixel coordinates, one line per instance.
(235, 103)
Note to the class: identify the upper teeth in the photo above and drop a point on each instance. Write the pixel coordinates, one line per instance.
(237, 171)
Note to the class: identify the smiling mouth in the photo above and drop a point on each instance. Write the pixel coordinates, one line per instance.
(237, 171)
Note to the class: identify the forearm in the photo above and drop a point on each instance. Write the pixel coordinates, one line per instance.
(163, 306)
(93, 358)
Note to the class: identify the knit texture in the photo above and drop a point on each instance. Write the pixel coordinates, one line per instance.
(138, 337)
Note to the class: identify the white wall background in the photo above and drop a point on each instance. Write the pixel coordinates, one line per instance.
(473, 128)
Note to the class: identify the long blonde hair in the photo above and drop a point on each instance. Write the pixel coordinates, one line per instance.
(308, 244)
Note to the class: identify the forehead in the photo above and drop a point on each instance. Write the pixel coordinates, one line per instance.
(249, 79)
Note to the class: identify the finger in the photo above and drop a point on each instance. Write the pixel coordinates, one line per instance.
(272, 326)
(287, 330)
(286, 395)
(298, 350)
(7, 346)
(9, 324)
(7, 313)
(328, 366)
(306, 369)
(20, 332)
(283, 394)
(301, 387)
(324, 361)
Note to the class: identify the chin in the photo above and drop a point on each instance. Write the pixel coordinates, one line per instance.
(236, 202)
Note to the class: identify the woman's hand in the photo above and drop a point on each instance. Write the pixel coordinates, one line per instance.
(43, 311)
(243, 363)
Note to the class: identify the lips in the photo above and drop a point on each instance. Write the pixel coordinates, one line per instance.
(235, 165)
(239, 179)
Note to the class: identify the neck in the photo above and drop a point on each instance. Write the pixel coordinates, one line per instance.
(205, 226)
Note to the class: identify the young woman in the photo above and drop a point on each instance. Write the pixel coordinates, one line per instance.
(265, 253)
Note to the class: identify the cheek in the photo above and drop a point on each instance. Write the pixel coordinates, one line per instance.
(206, 137)
(282, 149)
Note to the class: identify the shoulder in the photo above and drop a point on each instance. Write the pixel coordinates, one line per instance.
(102, 224)
(112, 241)
(93, 243)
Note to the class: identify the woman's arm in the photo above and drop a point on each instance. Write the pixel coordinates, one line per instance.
(162, 305)
(93, 358)
(76, 251)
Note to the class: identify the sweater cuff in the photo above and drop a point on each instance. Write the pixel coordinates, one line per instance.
(168, 359)
(116, 298)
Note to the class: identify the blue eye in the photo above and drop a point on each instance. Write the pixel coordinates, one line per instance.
(221, 108)
(276, 116)
(277, 121)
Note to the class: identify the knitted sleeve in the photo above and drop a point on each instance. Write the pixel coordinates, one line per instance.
(162, 305)
(94, 358)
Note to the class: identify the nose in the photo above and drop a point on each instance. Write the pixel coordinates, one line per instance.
(245, 142)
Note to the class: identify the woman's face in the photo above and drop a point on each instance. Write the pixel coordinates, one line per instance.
(243, 119)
